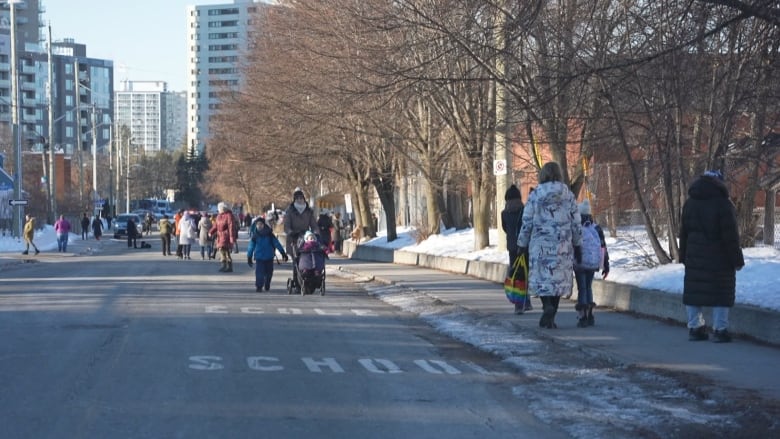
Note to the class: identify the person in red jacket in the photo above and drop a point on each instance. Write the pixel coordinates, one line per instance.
(223, 231)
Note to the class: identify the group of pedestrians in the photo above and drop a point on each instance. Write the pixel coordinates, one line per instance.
(62, 229)
(563, 244)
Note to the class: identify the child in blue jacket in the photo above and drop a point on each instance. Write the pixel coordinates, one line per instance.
(262, 249)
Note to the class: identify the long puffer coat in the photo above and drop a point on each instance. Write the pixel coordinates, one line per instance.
(551, 229)
(222, 230)
(709, 245)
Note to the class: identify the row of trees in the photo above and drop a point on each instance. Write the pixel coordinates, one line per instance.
(361, 92)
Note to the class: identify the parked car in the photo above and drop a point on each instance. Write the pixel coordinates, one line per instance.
(120, 224)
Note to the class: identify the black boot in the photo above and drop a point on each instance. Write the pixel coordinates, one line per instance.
(591, 320)
(582, 317)
(698, 334)
(548, 313)
(229, 268)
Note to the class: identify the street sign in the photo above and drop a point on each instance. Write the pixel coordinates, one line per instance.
(499, 167)
(17, 202)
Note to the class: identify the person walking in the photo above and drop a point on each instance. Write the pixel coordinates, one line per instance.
(97, 227)
(29, 234)
(187, 233)
(236, 226)
(224, 239)
(165, 235)
(62, 228)
(338, 229)
(551, 233)
(594, 258)
(177, 232)
(204, 239)
(511, 220)
(262, 250)
(132, 233)
(84, 227)
(298, 218)
(148, 221)
(325, 225)
(711, 252)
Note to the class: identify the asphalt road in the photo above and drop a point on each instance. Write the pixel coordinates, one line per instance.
(128, 343)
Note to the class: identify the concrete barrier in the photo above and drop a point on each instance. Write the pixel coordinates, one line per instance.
(757, 323)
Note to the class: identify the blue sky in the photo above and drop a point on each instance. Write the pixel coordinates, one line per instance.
(146, 39)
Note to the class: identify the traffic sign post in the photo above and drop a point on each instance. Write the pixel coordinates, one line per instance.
(499, 167)
(17, 202)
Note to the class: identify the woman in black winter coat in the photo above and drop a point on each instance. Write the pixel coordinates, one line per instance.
(711, 252)
(511, 220)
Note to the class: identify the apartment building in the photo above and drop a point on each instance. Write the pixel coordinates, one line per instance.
(216, 38)
(153, 115)
(81, 86)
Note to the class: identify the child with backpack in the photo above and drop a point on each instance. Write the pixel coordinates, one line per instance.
(594, 258)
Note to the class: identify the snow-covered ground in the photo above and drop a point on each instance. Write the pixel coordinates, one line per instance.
(630, 255)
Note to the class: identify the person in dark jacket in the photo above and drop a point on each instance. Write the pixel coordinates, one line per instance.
(298, 218)
(85, 227)
(710, 250)
(132, 233)
(511, 220)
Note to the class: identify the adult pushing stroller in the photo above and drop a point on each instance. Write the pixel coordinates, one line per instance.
(308, 267)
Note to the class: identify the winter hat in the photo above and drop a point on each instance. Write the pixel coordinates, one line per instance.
(513, 193)
(298, 193)
(222, 207)
(585, 207)
(714, 173)
(308, 236)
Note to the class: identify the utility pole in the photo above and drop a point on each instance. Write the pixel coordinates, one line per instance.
(19, 210)
(95, 197)
(78, 134)
(52, 154)
(503, 155)
(110, 212)
(118, 164)
(127, 177)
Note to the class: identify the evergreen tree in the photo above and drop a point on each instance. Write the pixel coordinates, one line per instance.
(190, 171)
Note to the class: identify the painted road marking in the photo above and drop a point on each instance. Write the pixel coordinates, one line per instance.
(222, 309)
(379, 366)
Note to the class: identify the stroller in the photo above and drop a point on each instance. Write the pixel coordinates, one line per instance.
(308, 270)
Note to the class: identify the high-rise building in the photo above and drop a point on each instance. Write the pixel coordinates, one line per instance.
(216, 38)
(140, 106)
(153, 115)
(93, 94)
(82, 87)
(176, 120)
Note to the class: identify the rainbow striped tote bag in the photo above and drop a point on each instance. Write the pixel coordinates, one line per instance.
(516, 281)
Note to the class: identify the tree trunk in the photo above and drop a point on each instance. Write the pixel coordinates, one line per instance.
(385, 189)
(432, 206)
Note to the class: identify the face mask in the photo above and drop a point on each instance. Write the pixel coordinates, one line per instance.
(300, 205)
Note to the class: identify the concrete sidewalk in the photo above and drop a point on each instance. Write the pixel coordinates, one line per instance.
(623, 337)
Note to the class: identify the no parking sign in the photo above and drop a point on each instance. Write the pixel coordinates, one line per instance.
(499, 167)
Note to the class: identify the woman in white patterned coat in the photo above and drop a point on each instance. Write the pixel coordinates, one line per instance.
(552, 233)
